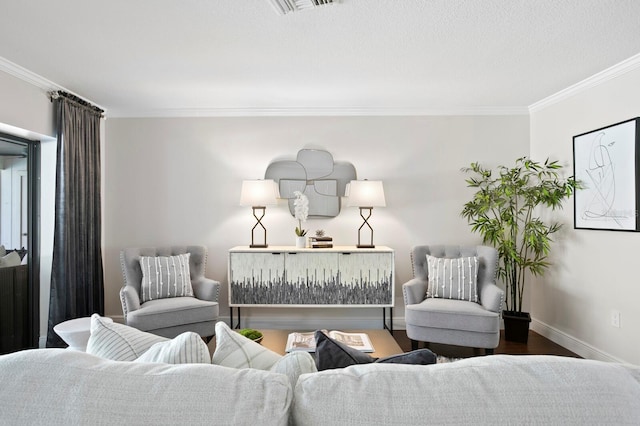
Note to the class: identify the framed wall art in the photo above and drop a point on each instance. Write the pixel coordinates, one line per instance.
(605, 161)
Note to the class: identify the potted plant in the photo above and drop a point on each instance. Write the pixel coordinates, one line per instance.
(301, 208)
(503, 211)
(252, 334)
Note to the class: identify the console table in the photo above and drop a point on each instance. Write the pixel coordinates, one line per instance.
(338, 277)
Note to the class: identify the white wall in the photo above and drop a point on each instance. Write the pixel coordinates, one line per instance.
(595, 271)
(25, 107)
(177, 181)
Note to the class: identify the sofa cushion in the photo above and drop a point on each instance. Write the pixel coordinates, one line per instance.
(118, 342)
(171, 312)
(452, 314)
(236, 351)
(497, 389)
(185, 348)
(45, 386)
(165, 276)
(453, 278)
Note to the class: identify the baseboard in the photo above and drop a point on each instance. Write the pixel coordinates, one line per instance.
(571, 343)
(117, 318)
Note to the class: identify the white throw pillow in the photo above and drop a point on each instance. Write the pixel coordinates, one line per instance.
(294, 364)
(236, 351)
(165, 276)
(453, 278)
(11, 259)
(186, 348)
(118, 342)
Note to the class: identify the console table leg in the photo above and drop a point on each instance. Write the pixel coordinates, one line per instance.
(384, 319)
(231, 318)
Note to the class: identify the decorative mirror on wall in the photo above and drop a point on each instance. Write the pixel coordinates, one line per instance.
(315, 174)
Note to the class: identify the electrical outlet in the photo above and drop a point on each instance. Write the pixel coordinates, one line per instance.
(615, 319)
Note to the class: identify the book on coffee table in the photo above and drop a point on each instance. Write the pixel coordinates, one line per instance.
(305, 341)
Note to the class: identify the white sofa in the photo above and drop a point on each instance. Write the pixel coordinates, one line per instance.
(56, 386)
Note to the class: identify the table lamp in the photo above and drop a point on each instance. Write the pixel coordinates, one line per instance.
(258, 194)
(365, 194)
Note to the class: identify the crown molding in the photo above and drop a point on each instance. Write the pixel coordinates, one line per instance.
(36, 80)
(312, 112)
(610, 73)
(28, 76)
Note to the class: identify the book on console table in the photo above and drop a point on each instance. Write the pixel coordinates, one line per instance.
(305, 341)
(321, 242)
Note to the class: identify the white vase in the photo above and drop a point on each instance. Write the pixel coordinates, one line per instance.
(301, 242)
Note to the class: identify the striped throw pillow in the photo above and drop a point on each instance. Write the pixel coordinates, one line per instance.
(118, 342)
(165, 276)
(186, 348)
(453, 278)
(236, 351)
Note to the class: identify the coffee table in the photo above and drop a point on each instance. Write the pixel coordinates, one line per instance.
(276, 340)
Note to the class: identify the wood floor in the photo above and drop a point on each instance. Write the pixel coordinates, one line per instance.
(537, 345)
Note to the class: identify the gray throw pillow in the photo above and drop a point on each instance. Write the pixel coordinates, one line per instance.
(332, 354)
(453, 278)
(417, 357)
(165, 276)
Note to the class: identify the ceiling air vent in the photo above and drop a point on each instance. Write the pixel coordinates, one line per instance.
(286, 6)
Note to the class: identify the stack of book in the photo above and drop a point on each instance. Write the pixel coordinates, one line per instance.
(321, 242)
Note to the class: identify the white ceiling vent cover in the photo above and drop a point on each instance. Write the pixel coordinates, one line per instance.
(286, 6)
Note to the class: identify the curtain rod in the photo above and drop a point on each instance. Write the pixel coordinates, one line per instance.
(74, 100)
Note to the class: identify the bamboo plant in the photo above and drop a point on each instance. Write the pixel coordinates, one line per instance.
(503, 211)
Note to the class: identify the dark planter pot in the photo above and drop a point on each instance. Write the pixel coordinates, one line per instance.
(516, 326)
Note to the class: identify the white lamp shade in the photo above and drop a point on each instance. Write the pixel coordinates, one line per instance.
(365, 193)
(258, 193)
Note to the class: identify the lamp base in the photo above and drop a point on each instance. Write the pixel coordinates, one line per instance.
(365, 246)
(258, 246)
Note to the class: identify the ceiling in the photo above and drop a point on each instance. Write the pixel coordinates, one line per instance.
(208, 57)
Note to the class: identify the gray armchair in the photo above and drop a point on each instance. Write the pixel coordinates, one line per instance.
(449, 321)
(170, 316)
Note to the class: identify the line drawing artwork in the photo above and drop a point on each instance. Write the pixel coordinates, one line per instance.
(604, 163)
(602, 181)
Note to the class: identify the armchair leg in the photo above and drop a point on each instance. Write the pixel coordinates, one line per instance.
(488, 351)
(414, 344)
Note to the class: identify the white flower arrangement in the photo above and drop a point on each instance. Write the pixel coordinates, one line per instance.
(301, 207)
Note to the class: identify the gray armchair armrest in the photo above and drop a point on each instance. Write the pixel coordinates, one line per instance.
(491, 297)
(206, 289)
(130, 300)
(414, 291)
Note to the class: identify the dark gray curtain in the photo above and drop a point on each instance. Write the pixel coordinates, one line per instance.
(77, 283)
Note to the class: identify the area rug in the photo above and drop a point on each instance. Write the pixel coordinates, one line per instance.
(443, 359)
